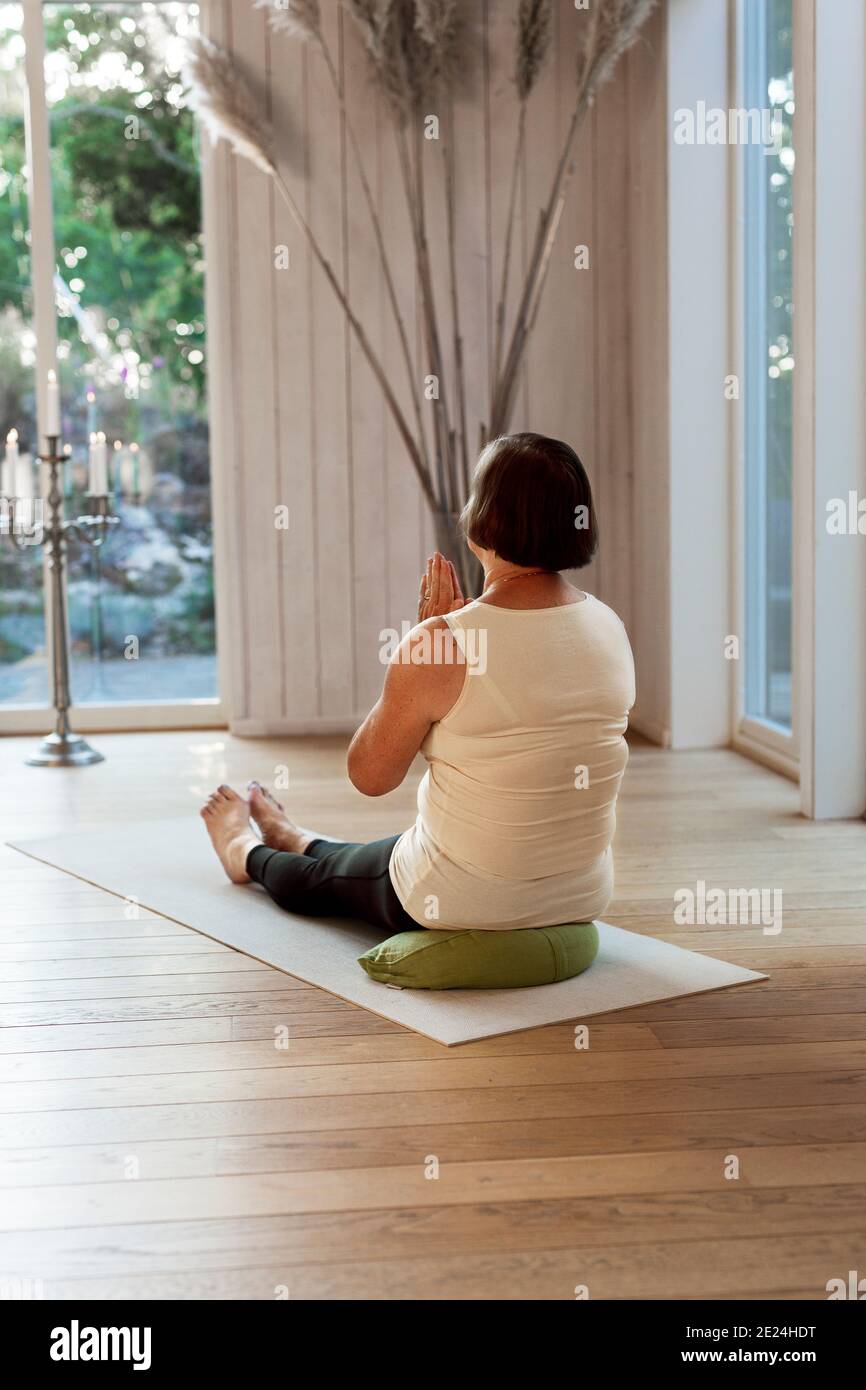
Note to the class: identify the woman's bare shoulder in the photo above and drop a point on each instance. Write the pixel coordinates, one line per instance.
(429, 666)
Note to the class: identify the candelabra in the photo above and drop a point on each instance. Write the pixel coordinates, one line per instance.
(62, 748)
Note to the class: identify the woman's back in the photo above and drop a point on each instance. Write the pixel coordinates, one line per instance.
(516, 811)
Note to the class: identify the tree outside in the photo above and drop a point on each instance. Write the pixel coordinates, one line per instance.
(131, 350)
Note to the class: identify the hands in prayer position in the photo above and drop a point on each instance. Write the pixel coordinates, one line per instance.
(440, 590)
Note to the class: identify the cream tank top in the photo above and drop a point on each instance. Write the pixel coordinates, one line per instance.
(516, 811)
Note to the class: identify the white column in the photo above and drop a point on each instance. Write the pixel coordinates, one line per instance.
(699, 475)
(830, 418)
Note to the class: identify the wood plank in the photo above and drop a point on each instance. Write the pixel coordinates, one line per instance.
(327, 348)
(703, 1269)
(106, 1060)
(341, 1066)
(167, 1006)
(249, 981)
(113, 930)
(114, 948)
(101, 1204)
(127, 966)
(675, 1220)
(60, 1163)
(293, 607)
(551, 1104)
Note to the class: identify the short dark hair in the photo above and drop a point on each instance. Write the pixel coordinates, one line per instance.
(532, 504)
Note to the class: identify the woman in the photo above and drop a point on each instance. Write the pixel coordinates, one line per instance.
(519, 702)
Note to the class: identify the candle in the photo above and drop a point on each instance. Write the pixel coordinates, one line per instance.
(52, 406)
(24, 482)
(91, 411)
(98, 466)
(136, 479)
(10, 463)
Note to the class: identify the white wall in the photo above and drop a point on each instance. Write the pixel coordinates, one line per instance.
(297, 418)
(647, 374)
(830, 435)
(700, 360)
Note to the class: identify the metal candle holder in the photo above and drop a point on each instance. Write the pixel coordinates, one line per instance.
(62, 748)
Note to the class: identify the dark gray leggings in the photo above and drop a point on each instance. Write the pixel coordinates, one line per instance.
(332, 879)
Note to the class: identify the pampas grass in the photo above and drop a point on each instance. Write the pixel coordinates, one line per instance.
(225, 105)
(530, 51)
(414, 49)
(533, 41)
(619, 23)
(440, 24)
(229, 111)
(300, 19)
(612, 27)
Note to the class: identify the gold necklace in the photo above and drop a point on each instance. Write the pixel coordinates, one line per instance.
(524, 574)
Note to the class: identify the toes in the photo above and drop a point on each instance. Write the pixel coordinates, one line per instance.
(227, 793)
(256, 790)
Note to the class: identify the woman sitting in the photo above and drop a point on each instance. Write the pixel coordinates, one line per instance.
(518, 701)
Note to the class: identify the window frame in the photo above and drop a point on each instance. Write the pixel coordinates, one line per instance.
(761, 739)
(118, 716)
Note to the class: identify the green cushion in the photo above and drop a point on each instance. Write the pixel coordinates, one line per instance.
(426, 959)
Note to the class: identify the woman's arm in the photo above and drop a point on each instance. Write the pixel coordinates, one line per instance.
(423, 680)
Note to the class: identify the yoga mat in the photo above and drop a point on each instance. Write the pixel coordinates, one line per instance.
(170, 867)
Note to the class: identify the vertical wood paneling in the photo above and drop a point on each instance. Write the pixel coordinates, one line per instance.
(293, 443)
(543, 401)
(333, 460)
(501, 115)
(648, 249)
(365, 411)
(399, 536)
(612, 469)
(468, 124)
(572, 292)
(254, 337)
(312, 430)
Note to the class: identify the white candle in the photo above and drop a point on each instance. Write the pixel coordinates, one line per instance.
(136, 477)
(24, 482)
(52, 406)
(98, 466)
(10, 463)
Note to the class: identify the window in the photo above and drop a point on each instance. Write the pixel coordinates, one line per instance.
(768, 359)
(23, 665)
(131, 353)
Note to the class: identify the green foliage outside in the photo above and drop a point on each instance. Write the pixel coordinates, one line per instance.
(127, 219)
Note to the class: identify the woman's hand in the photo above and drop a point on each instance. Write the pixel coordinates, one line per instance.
(440, 589)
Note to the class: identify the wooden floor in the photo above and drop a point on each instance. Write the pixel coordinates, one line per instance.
(158, 1145)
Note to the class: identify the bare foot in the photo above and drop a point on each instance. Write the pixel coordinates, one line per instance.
(279, 831)
(227, 820)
